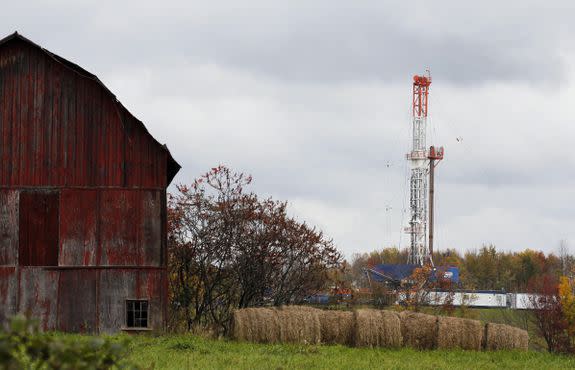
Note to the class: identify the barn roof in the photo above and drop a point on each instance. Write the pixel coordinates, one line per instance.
(172, 166)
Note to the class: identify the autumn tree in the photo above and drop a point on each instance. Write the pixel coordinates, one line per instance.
(566, 294)
(230, 249)
(549, 316)
(415, 292)
(425, 286)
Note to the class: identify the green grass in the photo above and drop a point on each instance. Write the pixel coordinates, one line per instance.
(193, 352)
(196, 352)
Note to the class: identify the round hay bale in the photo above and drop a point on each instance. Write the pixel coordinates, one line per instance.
(521, 339)
(418, 330)
(376, 328)
(458, 333)
(256, 325)
(504, 337)
(299, 324)
(336, 327)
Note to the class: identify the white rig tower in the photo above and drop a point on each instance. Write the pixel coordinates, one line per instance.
(422, 166)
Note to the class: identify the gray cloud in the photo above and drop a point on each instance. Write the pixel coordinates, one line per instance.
(318, 42)
(313, 99)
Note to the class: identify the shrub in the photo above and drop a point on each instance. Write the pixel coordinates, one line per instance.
(22, 346)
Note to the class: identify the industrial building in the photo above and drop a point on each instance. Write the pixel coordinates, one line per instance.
(82, 199)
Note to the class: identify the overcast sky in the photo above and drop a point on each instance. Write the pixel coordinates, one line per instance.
(313, 99)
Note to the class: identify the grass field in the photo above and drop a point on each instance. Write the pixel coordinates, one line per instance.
(197, 352)
(192, 352)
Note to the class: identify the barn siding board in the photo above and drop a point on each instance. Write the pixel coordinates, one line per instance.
(38, 295)
(8, 227)
(8, 292)
(151, 228)
(116, 286)
(150, 287)
(77, 301)
(131, 231)
(78, 227)
(120, 215)
(38, 228)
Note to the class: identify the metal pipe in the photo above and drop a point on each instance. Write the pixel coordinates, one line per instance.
(431, 196)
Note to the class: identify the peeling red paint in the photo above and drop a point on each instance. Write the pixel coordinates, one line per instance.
(39, 295)
(63, 128)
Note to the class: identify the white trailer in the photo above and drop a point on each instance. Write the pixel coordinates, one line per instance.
(469, 298)
(522, 301)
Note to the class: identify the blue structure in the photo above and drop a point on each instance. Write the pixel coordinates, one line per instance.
(449, 272)
(396, 273)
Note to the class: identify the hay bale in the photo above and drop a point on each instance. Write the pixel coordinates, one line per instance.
(503, 337)
(260, 325)
(457, 333)
(289, 324)
(337, 327)
(418, 330)
(299, 324)
(376, 328)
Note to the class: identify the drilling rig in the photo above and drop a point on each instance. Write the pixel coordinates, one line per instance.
(422, 163)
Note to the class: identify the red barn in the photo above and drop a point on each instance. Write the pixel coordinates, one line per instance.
(82, 199)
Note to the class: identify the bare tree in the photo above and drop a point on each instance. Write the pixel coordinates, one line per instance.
(564, 257)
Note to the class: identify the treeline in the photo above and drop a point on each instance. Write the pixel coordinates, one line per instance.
(483, 268)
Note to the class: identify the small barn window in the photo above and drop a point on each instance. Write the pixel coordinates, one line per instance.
(38, 229)
(137, 313)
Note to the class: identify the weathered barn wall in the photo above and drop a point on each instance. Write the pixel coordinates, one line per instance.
(82, 197)
(81, 299)
(8, 292)
(61, 128)
(38, 228)
(111, 228)
(78, 313)
(117, 284)
(134, 236)
(38, 295)
(79, 218)
(67, 297)
(153, 284)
